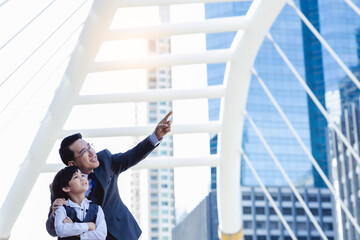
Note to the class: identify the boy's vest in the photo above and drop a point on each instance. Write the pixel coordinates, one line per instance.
(90, 217)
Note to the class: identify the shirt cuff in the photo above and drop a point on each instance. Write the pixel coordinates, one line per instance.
(153, 139)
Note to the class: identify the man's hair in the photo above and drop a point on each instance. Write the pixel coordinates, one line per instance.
(61, 180)
(66, 154)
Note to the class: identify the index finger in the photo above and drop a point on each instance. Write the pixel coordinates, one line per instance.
(166, 117)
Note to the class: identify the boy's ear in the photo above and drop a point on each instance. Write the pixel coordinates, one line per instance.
(70, 163)
(66, 189)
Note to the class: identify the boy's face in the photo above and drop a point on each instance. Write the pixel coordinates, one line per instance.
(85, 156)
(78, 184)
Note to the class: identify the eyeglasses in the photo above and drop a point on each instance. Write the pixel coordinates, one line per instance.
(86, 150)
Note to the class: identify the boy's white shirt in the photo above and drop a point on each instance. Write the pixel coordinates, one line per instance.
(82, 229)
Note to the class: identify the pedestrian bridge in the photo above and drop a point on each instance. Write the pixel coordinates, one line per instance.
(251, 30)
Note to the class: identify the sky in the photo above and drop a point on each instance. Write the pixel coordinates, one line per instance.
(26, 89)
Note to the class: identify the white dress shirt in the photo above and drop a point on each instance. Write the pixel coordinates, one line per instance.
(77, 228)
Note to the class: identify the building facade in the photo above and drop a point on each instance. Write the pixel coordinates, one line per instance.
(152, 192)
(346, 170)
(339, 25)
(259, 218)
(287, 32)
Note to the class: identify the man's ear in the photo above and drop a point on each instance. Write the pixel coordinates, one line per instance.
(66, 189)
(71, 163)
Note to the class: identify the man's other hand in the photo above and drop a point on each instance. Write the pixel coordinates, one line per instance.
(58, 203)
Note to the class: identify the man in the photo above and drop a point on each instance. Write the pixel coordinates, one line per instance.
(103, 169)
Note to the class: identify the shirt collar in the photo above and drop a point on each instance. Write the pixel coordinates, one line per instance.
(85, 203)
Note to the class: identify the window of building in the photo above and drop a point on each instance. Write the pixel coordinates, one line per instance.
(261, 237)
(286, 211)
(314, 211)
(164, 185)
(260, 225)
(164, 177)
(272, 211)
(248, 237)
(247, 210)
(154, 220)
(259, 197)
(164, 194)
(300, 212)
(153, 177)
(165, 229)
(154, 229)
(315, 238)
(154, 195)
(246, 197)
(154, 238)
(164, 220)
(154, 213)
(165, 212)
(247, 224)
(165, 238)
(325, 199)
(286, 197)
(274, 225)
(274, 237)
(260, 210)
(164, 203)
(153, 186)
(328, 226)
(326, 212)
(154, 203)
(312, 198)
(274, 197)
(301, 226)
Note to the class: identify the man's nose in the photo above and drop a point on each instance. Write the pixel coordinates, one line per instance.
(91, 152)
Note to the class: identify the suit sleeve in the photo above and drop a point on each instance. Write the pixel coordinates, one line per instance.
(50, 222)
(123, 161)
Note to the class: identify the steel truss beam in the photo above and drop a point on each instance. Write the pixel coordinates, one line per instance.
(228, 24)
(154, 95)
(160, 162)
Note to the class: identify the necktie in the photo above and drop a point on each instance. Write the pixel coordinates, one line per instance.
(92, 178)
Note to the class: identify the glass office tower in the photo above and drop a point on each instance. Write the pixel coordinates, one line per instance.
(287, 32)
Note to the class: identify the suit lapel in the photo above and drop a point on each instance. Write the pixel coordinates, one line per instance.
(97, 194)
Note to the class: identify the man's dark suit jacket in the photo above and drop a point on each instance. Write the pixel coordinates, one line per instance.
(120, 222)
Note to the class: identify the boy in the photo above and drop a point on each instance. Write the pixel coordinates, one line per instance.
(79, 219)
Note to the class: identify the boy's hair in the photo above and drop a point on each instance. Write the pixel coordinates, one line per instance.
(66, 154)
(62, 179)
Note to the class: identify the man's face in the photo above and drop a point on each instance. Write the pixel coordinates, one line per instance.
(85, 157)
(78, 184)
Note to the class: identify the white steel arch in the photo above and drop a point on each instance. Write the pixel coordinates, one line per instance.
(251, 30)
